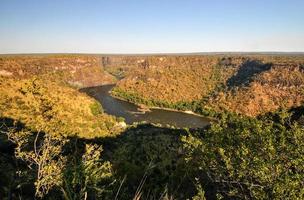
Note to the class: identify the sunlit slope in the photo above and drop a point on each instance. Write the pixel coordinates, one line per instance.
(53, 108)
(250, 85)
(77, 70)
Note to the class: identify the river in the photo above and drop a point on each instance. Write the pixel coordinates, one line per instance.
(131, 114)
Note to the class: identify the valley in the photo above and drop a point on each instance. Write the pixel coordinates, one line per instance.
(76, 126)
(133, 113)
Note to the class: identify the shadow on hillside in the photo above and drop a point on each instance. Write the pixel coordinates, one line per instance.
(247, 71)
(145, 154)
(296, 115)
(156, 155)
(151, 158)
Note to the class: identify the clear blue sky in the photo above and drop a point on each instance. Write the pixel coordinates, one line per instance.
(142, 26)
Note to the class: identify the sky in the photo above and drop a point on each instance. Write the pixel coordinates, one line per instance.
(154, 26)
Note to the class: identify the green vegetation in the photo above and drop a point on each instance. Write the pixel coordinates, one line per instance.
(133, 97)
(247, 158)
(96, 108)
(41, 125)
(237, 158)
(54, 108)
(198, 106)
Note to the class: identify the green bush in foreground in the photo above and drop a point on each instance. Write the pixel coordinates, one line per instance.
(151, 159)
(236, 158)
(247, 158)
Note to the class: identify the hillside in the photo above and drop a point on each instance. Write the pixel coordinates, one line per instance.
(249, 85)
(41, 121)
(279, 85)
(53, 108)
(77, 70)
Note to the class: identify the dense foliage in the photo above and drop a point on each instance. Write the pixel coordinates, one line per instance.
(40, 120)
(151, 160)
(198, 106)
(247, 158)
(54, 108)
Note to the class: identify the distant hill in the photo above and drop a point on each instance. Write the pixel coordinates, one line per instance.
(78, 70)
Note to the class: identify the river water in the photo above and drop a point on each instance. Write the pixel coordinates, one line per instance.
(131, 114)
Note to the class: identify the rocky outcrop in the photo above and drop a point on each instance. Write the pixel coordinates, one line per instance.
(5, 73)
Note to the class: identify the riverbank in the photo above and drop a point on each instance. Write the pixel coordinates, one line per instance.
(144, 108)
(131, 112)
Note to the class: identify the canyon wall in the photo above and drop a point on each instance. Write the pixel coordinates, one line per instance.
(247, 84)
(80, 71)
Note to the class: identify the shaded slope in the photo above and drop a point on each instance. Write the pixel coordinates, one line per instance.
(246, 73)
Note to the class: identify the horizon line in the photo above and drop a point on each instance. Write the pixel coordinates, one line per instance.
(159, 53)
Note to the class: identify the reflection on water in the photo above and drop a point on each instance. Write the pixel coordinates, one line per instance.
(131, 114)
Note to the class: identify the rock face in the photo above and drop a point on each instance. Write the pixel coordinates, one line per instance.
(5, 73)
(83, 71)
(158, 61)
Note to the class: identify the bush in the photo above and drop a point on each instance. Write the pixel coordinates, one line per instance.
(152, 161)
(96, 108)
(246, 158)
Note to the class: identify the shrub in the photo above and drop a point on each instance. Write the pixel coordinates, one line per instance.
(246, 158)
(96, 108)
